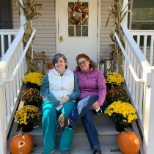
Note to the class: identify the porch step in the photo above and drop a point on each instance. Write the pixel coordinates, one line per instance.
(82, 150)
(106, 131)
(80, 145)
(107, 135)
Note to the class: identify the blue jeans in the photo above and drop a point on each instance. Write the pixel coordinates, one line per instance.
(49, 125)
(83, 110)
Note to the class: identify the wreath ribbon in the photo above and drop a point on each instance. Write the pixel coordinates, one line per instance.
(79, 8)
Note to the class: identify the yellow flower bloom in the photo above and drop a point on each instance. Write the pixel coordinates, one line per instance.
(27, 114)
(33, 77)
(114, 78)
(123, 111)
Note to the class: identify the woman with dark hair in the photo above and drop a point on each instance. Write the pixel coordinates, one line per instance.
(59, 91)
(92, 96)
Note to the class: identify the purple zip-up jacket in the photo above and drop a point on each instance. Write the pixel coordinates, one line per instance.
(91, 83)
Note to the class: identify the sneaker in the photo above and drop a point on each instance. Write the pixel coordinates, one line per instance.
(49, 152)
(62, 122)
(97, 151)
(65, 152)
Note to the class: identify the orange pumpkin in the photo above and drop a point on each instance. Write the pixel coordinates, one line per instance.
(128, 142)
(21, 143)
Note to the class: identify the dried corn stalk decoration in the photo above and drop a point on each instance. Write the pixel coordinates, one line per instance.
(29, 9)
(118, 13)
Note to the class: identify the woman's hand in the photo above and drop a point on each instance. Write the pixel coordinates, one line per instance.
(95, 106)
(64, 100)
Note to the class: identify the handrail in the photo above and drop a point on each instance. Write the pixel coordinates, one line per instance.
(127, 59)
(136, 32)
(21, 59)
(8, 31)
(135, 48)
(8, 54)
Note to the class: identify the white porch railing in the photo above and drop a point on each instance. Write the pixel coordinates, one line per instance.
(12, 71)
(139, 78)
(145, 40)
(138, 74)
(6, 38)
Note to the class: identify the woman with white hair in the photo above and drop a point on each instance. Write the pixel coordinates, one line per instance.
(59, 91)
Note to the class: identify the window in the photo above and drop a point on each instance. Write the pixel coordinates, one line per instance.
(143, 18)
(77, 30)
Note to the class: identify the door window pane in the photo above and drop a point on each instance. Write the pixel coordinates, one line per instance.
(70, 30)
(85, 31)
(78, 30)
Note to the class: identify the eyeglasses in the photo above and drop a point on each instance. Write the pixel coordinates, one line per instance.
(83, 62)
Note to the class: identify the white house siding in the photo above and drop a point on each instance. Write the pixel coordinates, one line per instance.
(45, 39)
(105, 39)
(15, 15)
(46, 29)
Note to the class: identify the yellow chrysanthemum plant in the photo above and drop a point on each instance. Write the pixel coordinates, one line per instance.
(33, 79)
(121, 112)
(27, 114)
(114, 78)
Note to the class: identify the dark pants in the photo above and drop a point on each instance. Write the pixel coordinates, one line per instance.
(83, 110)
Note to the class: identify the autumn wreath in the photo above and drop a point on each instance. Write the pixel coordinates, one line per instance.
(78, 8)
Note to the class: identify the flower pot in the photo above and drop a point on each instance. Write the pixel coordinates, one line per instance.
(32, 85)
(121, 127)
(26, 128)
(37, 104)
(109, 85)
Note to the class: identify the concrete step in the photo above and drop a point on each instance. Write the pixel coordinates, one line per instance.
(81, 150)
(106, 131)
(80, 145)
(107, 135)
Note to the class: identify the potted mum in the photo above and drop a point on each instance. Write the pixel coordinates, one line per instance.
(33, 80)
(114, 79)
(122, 113)
(117, 94)
(26, 116)
(31, 96)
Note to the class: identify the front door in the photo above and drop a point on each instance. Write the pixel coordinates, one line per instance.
(76, 39)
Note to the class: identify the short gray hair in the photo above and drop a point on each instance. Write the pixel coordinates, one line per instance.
(56, 58)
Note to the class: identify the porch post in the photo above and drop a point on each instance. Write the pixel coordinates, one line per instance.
(22, 16)
(3, 135)
(125, 20)
(148, 123)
